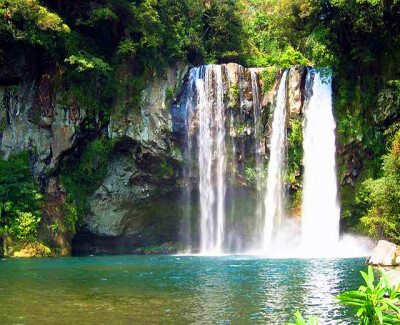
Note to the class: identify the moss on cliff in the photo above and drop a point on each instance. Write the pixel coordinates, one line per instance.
(82, 176)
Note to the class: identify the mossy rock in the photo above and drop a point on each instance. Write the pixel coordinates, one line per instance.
(24, 250)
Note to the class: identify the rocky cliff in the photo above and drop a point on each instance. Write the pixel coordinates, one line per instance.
(133, 193)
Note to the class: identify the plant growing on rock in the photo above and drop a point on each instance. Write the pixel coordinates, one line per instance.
(83, 178)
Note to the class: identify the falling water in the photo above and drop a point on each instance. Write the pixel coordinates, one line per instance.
(259, 163)
(321, 212)
(274, 200)
(206, 156)
(220, 157)
(211, 130)
(189, 103)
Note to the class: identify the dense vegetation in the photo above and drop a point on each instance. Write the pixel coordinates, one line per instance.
(115, 45)
(19, 198)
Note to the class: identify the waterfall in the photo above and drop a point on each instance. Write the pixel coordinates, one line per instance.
(212, 161)
(321, 212)
(259, 167)
(220, 157)
(274, 199)
(218, 164)
(189, 103)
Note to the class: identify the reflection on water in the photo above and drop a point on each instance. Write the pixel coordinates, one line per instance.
(174, 290)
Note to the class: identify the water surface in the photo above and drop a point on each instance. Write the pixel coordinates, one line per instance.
(174, 290)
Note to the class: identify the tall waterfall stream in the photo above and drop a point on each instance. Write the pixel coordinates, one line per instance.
(321, 212)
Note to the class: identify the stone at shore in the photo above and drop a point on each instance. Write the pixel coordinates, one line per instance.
(385, 254)
(393, 277)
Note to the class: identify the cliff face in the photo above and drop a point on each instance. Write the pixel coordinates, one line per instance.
(136, 201)
(144, 163)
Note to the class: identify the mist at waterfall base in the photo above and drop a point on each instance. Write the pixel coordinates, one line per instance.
(229, 218)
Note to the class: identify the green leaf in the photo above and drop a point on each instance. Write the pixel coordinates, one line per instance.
(378, 312)
(371, 274)
(381, 293)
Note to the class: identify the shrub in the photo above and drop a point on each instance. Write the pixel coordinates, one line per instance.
(84, 62)
(377, 304)
(268, 78)
(380, 197)
(19, 197)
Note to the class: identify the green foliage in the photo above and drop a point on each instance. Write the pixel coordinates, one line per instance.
(98, 15)
(380, 197)
(25, 226)
(268, 77)
(127, 48)
(234, 97)
(223, 30)
(394, 83)
(166, 169)
(274, 32)
(169, 95)
(84, 62)
(84, 96)
(255, 175)
(83, 177)
(30, 22)
(295, 150)
(250, 175)
(127, 95)
(55, 227)
(19, 198)
(299, 320)
(375, 303)
(340, 34)
(351, 208)
(70, 217)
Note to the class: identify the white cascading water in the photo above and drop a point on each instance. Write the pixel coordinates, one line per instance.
(258, 159)
(190, 103)
(321, 211)
(274, 199)
(220, 157)
(211, 112)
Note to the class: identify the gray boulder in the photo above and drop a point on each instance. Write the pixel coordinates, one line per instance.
(384, 254)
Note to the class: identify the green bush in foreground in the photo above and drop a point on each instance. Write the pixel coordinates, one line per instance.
(377, 304)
